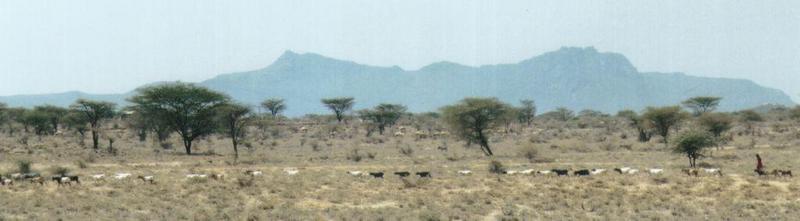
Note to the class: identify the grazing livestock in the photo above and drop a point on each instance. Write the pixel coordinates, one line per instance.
(421, 135)
(196, 176)
(402, 174)
(291, 171)
(355, 173)
(597, 171)
(98, 176)
(690, 172)
(218, 176)
(465, 172)
(633, 171)
(303, 129)
(622, 170)
(544, 172)
(253, 172)
(654, 171)
(6, 181)
(38, 180)
(442, 148)
(560, 172)
(510, 172)
(583, 172)
(714, 171)
(424, 174)
(399, 134)
(376, 174)
(121, 176)
(527, 172)
(782, 173)
(147, 179)
(16, 176)
(761, 172)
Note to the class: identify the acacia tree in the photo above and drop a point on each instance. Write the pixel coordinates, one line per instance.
(470, 118)
(716, 123)
(563, 114)
(189, 110)
(339, 106)
(383, 115)
(664, 118)
(702, 104)
(54, 115)
(75, 121)
(527, 112)
(38, 120)
(93, 112)
(143, 122)
(693, 144)
(643, 127)
(274, 105)
(234, 119)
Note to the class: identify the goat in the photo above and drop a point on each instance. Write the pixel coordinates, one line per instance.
(253, 172)
(597, 171)
(560, 172)
(583, 172)
(510, 172)
(633, 171)
(120, 176)
(465, 172)
(402, 173)
(761, 172)
(147, 179)
(6, 181)
(399, 134)
(355, 173)
(291, 171)
(303, 129)
(38, 180)
(16, 176)
(442, 148)
(376, 174)
(424, 174)
(196, 176)
(782, 173)
(654, 171)
(98, 176)
(527, 172)
(544, 172)
(690, 172)
(715, 171)
(218, 176)
(622, 170)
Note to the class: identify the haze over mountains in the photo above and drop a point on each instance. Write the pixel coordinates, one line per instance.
(576, 78)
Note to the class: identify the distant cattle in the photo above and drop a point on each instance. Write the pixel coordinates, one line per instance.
(402, 173)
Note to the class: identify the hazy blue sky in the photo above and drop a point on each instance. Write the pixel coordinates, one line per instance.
(108, 46)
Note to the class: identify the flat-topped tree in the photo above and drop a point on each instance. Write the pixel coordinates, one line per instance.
(93, 113)
(274, 105)
(383, 115)
(693, 144)
(189, 110)
(702, 104)
(54, 115)
(471, 118)
(339, 106)
(664, 118)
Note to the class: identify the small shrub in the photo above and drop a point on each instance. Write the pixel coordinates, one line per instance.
(244, 182)
(81, 164)
(407, 151)
(371, 155)
(496, 167)
(529, 152)
(355, 156)
(62, 171)
(24, 166)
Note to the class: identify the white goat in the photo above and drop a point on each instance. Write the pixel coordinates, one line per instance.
(465, 172)
(120, 176)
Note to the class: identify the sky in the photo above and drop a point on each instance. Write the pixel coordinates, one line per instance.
(108, 46)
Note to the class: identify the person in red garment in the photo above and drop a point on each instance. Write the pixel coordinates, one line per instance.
(759, 166)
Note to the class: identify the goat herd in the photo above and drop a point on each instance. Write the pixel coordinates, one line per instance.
(63, 180)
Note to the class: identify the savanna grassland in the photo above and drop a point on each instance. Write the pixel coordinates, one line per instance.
(322, 190)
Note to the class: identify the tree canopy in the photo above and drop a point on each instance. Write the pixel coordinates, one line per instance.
(702, 104)
(471, 118)
(274, 105)
(189, 110)
(92, 112)
(693, 145)
(664, 118)
(383, 115)
(339, 106)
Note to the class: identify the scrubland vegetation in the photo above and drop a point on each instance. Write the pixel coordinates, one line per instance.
(197, 131)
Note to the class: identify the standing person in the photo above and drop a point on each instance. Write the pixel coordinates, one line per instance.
(759, 165)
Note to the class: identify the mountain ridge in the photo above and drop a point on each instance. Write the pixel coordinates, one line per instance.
(577, 78)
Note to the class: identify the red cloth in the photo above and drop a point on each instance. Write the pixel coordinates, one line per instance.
(759, 165)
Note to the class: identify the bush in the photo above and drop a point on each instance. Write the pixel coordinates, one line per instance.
(24, 166)
(245, 181)
(355, 156)
(61, 171)
(529, 152)
(496, 167)
(81, 164)
(407, 151)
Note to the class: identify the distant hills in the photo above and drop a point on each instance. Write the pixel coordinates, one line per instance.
(576, 78)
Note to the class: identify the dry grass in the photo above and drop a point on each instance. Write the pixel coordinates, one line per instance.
(323, 191)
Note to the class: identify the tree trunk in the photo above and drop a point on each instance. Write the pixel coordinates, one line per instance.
(95, 139)
(187, 143)
(484, 142)
(235, 148)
